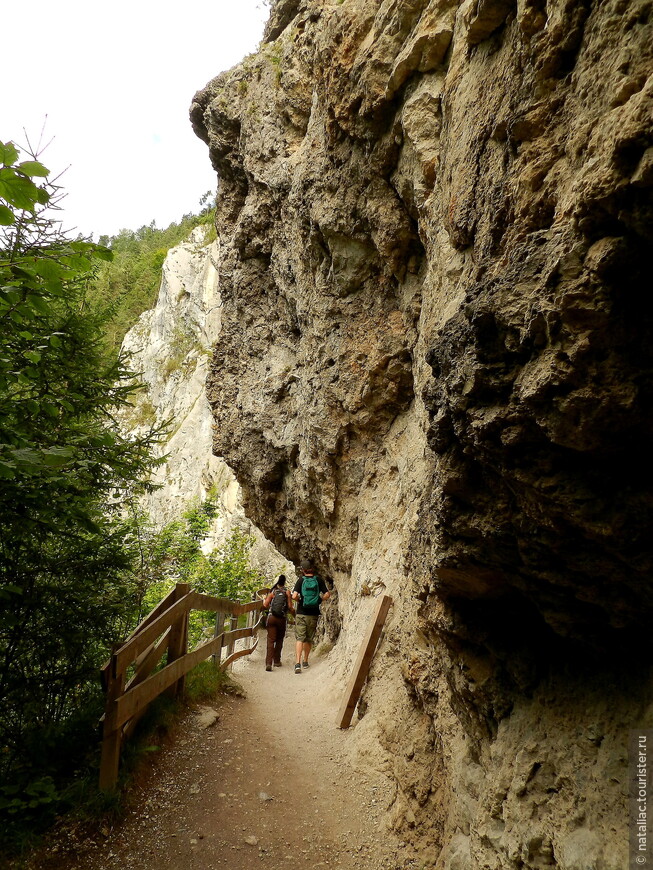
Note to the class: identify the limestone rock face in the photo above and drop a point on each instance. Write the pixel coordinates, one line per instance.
(169, 347)
(434, 375)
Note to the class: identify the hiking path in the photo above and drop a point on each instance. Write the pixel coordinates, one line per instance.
(270, 783)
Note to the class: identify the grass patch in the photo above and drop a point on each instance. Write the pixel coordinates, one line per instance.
(205, 682)
(141, 413)
(182, 343)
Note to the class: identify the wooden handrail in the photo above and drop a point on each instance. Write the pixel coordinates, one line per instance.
(163, 605)
(129, 650)
(238, 655)
(165, 628)
(200, 601)
(140, 696)
(149, 660)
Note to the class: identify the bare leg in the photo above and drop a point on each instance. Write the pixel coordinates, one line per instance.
(306, 648)
(298, 651)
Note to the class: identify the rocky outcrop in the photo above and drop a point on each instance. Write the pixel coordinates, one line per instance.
(169, 348)
(434, 374)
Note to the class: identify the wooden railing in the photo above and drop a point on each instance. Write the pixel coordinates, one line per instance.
(165, 629)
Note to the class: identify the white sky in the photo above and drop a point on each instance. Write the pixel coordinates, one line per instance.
(116, 82)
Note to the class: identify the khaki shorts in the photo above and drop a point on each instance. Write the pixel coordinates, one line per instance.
(305, 627)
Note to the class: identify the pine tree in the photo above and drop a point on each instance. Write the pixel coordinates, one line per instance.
(66, 471)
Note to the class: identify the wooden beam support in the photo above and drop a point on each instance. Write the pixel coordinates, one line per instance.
(237, 655)
(178, 641)
(111, 734)
(149, 661)
(161, 607)
(130, 650)
(138, 697)
(363, 662)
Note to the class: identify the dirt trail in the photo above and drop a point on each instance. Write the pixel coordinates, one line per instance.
(272, 784)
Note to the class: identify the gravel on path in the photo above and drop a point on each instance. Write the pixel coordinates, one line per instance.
(263, 780)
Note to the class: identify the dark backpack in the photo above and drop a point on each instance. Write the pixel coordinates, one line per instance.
(279, 605)
(310, 592)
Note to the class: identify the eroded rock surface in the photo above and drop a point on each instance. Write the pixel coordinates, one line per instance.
(170, 348)
(434, 374)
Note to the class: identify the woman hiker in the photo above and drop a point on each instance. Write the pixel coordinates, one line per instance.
(279, 602)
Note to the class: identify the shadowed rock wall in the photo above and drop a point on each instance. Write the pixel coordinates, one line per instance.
(434, 375)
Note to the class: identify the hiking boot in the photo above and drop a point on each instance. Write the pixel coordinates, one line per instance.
(277, 664)
(305, 664)
(298, 668)
(268, 667)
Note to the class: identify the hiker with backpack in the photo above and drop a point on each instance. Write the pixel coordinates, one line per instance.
(309, 592)
(279, 602)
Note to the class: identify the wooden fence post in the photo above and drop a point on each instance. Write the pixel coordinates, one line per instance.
(178, 643)
(219, 629)
(251, 622)
(111, 734)
(233, 625)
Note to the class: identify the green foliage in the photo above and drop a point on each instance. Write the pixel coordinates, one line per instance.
(182, 343)
(174, 554)
(128, 285)
(227, 572)
(275, 56)
(14, 800)
(16, 185)
(66, 587)
(141, 411)
(78, 566)
(204, 682)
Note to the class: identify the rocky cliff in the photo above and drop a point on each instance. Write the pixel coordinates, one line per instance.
(170, 348)
(434, 375)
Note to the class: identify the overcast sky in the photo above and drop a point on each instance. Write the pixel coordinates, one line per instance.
(115, 81)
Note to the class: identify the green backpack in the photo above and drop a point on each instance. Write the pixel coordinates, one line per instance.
(310, 591)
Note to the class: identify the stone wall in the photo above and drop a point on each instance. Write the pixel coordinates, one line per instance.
(434, 375)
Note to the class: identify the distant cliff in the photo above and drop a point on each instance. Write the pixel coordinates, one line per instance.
(434, 373)
(170, 348)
